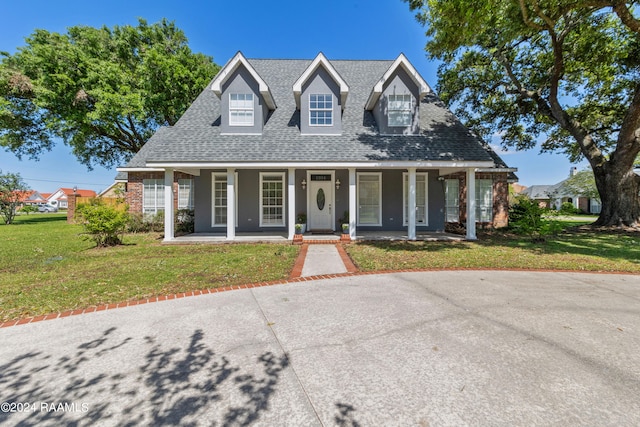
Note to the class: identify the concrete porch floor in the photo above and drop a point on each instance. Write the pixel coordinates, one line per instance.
(282, 237)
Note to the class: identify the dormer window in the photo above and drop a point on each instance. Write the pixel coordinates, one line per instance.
(400, 110)
(320, 109)
(241, 109)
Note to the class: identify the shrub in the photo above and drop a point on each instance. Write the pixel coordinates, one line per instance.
(137, 224)
(567, 208)
(528, 218)
(29, 209)
(185, 221)
(141, 223)
(103, 224)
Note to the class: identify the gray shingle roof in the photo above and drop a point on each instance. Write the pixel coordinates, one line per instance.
(196, 137)
(539, 191)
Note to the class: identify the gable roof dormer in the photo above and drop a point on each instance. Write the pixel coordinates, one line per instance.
(400, 62)
(321, 61)
(229, 70)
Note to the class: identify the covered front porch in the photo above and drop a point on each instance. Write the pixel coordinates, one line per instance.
(264, 202)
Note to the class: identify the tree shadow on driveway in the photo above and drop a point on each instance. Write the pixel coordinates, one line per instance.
(168, 386)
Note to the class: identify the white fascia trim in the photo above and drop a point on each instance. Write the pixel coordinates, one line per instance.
(321, 60)
(497, 170)
(403, 62)
(141, 169)
(324, 165)
(228, 70)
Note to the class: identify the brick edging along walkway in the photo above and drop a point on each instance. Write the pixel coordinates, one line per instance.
(272, 283)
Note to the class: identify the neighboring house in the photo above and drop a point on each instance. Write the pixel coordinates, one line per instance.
(540, 193)
(270, 139)
(117, 189)
(31, 197)
(59, 197)
(553, 196)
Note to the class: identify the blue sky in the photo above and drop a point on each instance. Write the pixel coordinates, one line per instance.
(341, 29)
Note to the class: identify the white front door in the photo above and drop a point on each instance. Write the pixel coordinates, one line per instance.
(320, 202)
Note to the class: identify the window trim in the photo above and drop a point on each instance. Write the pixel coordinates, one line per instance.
(408, 110)
(358, 176)
(330, 110)
(480, 206)
(190, 200)
(284, 199)
(213, 198)
(245, 109)
(446, 205)
(405, 201)
(158, 183)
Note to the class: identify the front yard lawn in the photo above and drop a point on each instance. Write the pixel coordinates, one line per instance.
(572, 250)
(46, 267)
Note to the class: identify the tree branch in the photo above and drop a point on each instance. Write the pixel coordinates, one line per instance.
(629, 136)
(626, 16)
(525, 17)
(117, 142)
(132, 126)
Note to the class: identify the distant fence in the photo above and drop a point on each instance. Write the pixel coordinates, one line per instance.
(109, 201)
(74, 201)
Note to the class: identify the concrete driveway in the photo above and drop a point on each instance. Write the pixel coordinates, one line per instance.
(408, 349)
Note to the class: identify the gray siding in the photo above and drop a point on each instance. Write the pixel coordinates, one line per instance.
(202, 203)
(320, 82)
(242, 82)
(392, 200)
(248, 189)
(398, 84)
(249, 201)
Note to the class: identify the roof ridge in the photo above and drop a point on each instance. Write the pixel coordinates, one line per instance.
(311, 59)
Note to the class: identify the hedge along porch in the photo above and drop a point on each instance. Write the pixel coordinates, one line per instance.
(270, 139)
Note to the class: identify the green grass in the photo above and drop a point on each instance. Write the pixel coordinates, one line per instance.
(46, 266)
(571, 250)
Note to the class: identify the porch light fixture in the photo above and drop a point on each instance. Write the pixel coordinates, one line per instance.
(75, 189)
(304, 184)
(337, 184)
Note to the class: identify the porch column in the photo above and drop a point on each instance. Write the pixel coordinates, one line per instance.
(471, 204)
(168, 205)
(411, 230)
(291, 194)
(352, 203)
(231, 204)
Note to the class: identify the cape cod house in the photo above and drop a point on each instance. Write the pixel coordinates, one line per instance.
(357, 141)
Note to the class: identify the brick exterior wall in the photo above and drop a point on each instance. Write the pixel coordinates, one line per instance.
(135, 187)
(71, 208)
(500, 197)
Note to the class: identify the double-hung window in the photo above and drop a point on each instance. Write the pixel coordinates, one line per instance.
(241, 109)
(272, 199)
(400, 111)
(321, 109)
(152, 196)
(220, 199)
(484, 200)
(452, 200)
(185, 194)
(370, 199)
(421, 198)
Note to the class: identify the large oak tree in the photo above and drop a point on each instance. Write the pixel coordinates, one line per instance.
(566, 72)
(104, 91)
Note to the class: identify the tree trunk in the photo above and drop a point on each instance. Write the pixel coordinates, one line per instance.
(619, 195)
